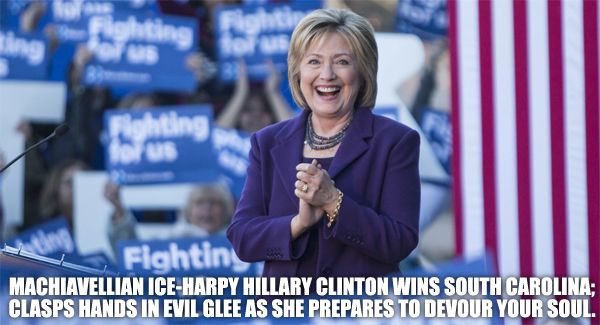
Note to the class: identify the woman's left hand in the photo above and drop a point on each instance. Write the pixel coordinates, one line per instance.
(320, 188)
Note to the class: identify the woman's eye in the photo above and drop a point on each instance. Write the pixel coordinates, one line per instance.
(313, 61)
(343, 62)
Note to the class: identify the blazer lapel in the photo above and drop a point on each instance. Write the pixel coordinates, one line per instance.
(354, 144)
(288, 153)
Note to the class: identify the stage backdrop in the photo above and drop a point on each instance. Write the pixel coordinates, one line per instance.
(525, 123)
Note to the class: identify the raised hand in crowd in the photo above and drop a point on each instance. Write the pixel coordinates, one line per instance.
(30, 17)
(230, 115)
(203, 68)
(112, 193)
(82, 56)
(281, 108)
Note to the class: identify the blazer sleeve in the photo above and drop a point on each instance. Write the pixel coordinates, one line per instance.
(256, 236)
(390, 234)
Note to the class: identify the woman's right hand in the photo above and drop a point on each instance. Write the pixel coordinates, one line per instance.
(307, 216)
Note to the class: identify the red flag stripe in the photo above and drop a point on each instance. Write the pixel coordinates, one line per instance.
(487, 125)
(592, 106)
(523, 141)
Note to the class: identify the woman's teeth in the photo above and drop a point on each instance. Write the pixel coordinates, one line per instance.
(328, 90)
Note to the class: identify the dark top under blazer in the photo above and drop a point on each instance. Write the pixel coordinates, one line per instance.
(376, 167)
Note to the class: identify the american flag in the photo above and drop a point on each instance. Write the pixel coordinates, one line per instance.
(526, 149)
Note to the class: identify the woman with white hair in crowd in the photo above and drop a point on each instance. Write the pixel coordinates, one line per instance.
(207, 211)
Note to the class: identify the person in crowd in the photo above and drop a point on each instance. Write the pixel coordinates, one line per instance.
(334, 191)
(207, 212)
(424, 93)
(144, 100)
(249, 110)
(57, 194)
(77, 144)
(204, 64)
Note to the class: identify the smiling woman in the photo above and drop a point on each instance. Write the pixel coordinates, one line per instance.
(329, 79)
(334, 191)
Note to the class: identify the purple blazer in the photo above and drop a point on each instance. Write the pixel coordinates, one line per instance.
(376, 167)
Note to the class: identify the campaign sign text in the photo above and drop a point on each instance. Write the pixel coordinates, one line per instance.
(232, 148)
(428, 19)
(438, 130)
(48, 239)
(141, 53)
(256, 34)
(22, 56)
(210, 256)
(67, 15)
(160, 145)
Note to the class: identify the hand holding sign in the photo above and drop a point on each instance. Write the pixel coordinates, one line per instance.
(194, 62)
(112, 193)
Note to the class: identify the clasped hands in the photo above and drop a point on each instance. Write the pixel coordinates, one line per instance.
(317, 194)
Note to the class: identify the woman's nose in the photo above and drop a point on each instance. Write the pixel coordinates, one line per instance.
(327, 72)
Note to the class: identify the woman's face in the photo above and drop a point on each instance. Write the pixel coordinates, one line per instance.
(329, 76)
(255, 115)
(207, 212)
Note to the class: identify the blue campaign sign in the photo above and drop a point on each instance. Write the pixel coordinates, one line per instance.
(210, 256)
(389, 112)
(141, 53)
(22, 56)
(426, 18)
(160, 145)
(67, 16)
(232, 148)
(256, 34)
(437, 128)
(48, 239)
(10, 12)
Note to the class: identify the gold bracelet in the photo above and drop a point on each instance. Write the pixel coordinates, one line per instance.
(331, 218)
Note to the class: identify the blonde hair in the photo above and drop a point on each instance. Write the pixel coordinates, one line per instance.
(213, 190)
(359, 35)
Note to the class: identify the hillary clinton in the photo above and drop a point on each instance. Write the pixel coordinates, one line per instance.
(334, 191)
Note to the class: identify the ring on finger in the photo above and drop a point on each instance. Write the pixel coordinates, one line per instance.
(304, 188)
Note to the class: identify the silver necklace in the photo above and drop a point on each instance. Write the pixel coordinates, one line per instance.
(317, 142)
